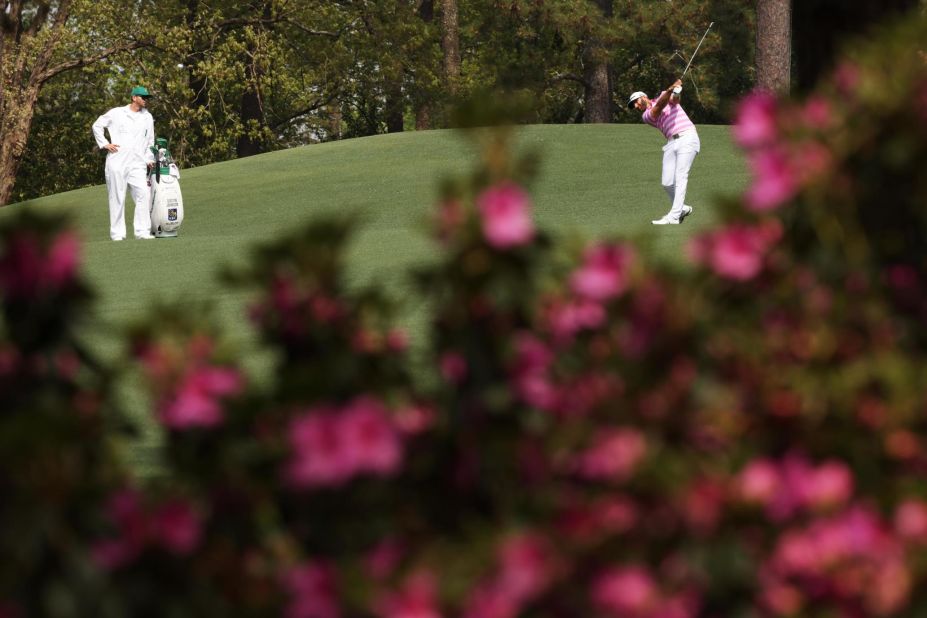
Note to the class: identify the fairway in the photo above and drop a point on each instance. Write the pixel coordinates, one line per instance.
(594, 181)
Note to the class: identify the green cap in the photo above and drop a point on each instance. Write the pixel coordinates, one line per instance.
(141, 91)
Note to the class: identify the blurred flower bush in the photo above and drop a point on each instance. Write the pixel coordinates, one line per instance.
(598, 436)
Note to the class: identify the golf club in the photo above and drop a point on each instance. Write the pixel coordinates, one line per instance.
(696, 50)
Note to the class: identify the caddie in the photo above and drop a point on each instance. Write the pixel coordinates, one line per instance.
(682, 144)
(131, 136)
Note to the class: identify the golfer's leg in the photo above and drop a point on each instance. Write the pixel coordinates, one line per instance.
(116, 192)
(141, 195)
(667, 178)
(683, 164)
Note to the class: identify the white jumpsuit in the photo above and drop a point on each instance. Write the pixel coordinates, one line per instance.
(133, 132)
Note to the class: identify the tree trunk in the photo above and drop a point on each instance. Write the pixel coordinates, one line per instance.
(252, 118)
(597, 74)
(423, 118)
(426, 12)
(450, 43)
(773, 45)
(395, 109)
(251, 109)
(336, 120)
(598, 93)
(23, 71)
(16, 113)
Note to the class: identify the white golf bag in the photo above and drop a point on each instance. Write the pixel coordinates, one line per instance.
(166, 199)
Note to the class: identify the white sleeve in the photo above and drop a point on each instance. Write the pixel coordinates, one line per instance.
(101, 123)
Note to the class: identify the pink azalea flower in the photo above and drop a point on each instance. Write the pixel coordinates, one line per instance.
(526, 567)
(63, 258)
(325, 309)
(176, 527)
(911, 520)
(488, 601)
(796, 477)
(817, 113)
(614, 514)
(124, 510)
(812, 160)
(320, 455)
(283, 292)
(738, 254)
(196, 402)
(702, 504)
(614, 455)
(831, 485)
(566, 319)
(853, 554)
(775, 180)
(416, 599)
(370, 440)
(758, 482)
(21, 267)
(738, 251)
(312, 591)
(782, 599)
(794, 553)
(506, 215)
(113, 554)
(583, 393)
(890, 590)
(191, 408)
(903, 278)
(414, 419)
(530, 372)
(383, 560)
(755, 121)
(449, 219)
(453, 367)
(604, 273)
(397, 340)
(847, 77)
(216, 381)
(853, 536)
(625, 591)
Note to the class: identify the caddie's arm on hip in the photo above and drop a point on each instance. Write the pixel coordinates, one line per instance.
(99, 125)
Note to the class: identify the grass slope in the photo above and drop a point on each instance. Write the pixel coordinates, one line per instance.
(595, 180)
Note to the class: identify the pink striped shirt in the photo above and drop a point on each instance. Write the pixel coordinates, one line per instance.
(672, 120)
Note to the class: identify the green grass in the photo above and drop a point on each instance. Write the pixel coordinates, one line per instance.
(594, 181)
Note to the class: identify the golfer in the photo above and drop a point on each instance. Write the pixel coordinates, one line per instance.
(682, 144)
(131, 136)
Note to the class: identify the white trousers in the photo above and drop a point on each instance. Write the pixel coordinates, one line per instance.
(117, 178)
(678, 155)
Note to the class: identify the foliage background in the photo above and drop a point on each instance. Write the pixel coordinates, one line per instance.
(233, 79)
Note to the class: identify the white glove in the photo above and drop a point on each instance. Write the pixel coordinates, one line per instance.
(677, 89)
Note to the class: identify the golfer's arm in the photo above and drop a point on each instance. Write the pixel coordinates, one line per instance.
(660, 103)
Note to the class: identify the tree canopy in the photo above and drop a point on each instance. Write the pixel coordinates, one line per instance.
(234, 79)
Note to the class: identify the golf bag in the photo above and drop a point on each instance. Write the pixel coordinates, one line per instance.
(166, 199)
